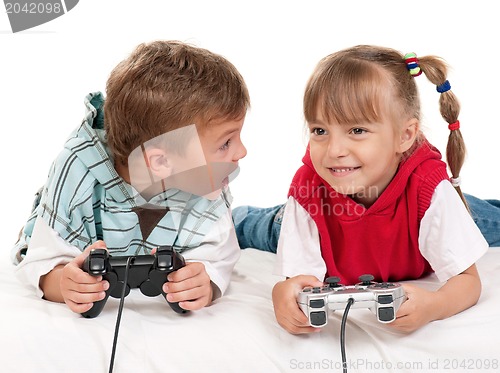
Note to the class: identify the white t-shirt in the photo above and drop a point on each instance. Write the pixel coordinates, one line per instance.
(448, 238)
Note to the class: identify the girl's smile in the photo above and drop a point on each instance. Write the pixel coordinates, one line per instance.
(343, 171)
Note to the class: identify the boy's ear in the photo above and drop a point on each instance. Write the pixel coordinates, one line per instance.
(158, 163)
(409, 134)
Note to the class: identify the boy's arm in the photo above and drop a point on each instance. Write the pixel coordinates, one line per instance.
(423, 306)
(219, 253)
(68, 283)
(47, 250)
(50, 284)
(208, 268)
(53, 268)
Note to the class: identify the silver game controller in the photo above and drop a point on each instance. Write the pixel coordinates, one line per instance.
(383, 299)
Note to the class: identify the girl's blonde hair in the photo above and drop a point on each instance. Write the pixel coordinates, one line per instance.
(365, 83)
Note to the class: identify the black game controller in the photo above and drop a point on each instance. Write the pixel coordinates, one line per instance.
(146, 272)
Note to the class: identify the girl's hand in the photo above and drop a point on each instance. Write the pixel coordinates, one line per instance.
(287, 311)
(416, 311)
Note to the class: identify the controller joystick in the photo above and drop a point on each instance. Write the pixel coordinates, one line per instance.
(333, 282)
(366, 280)
(146, 272)
(383, 299)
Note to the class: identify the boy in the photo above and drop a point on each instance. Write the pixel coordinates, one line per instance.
(148, 166)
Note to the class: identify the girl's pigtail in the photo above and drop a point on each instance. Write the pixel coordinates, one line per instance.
(435, 70)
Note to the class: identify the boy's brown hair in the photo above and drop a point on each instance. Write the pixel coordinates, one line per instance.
(165, 85)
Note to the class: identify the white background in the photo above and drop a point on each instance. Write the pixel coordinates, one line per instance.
(47, 71)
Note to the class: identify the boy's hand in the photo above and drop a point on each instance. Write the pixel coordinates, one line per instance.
(287, 311)
(79, 289)
(190, 286)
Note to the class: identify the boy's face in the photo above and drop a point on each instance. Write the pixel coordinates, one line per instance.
(208, 160)
(222, 148)
(222, 143)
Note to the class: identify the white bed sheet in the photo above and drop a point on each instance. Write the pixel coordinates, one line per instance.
(239, 333)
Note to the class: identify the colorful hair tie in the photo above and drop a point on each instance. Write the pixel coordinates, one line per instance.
(456, 181)
(411, 61)
(443, 87)
(454, 126)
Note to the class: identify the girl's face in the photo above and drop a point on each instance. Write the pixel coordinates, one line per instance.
(357, 160)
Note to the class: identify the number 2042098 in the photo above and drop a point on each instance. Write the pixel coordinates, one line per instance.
(33, 8)
(471, 364)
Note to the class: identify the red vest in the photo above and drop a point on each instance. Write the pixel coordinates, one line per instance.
(383, 239)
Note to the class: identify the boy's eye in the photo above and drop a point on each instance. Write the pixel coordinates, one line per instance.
(226, 145)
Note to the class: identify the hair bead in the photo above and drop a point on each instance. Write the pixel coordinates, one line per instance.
(454, 126)
(411, 61)
(456, 182)
(445, 87)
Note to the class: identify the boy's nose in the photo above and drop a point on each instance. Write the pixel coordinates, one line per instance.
(240, 153)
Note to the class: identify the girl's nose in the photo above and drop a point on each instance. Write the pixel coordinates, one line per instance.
(337, 148)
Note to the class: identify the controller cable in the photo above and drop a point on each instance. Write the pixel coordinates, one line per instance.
(342, 334)
(119, 316)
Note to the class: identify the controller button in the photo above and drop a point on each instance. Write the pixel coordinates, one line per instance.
(384, 285)
(317, 303)
(97, 265)
(386, 314)
(316, 290)
(385, 299)
(318, 318)
(164, 261)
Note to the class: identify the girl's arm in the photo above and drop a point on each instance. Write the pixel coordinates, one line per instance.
(451, 242)
(299, 260)
(423, 306)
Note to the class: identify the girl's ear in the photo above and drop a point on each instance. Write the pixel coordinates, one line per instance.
(158, 163)
(409, 134)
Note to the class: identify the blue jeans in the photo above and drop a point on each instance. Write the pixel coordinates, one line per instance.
(259, 228)
(486, 214)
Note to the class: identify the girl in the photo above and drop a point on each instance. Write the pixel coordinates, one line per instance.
(373, 195)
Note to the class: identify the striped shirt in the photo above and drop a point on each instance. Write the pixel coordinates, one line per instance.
(85, 200)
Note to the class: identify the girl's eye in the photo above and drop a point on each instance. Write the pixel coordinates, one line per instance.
(226, 145)
(358, 131)
(318, 131)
